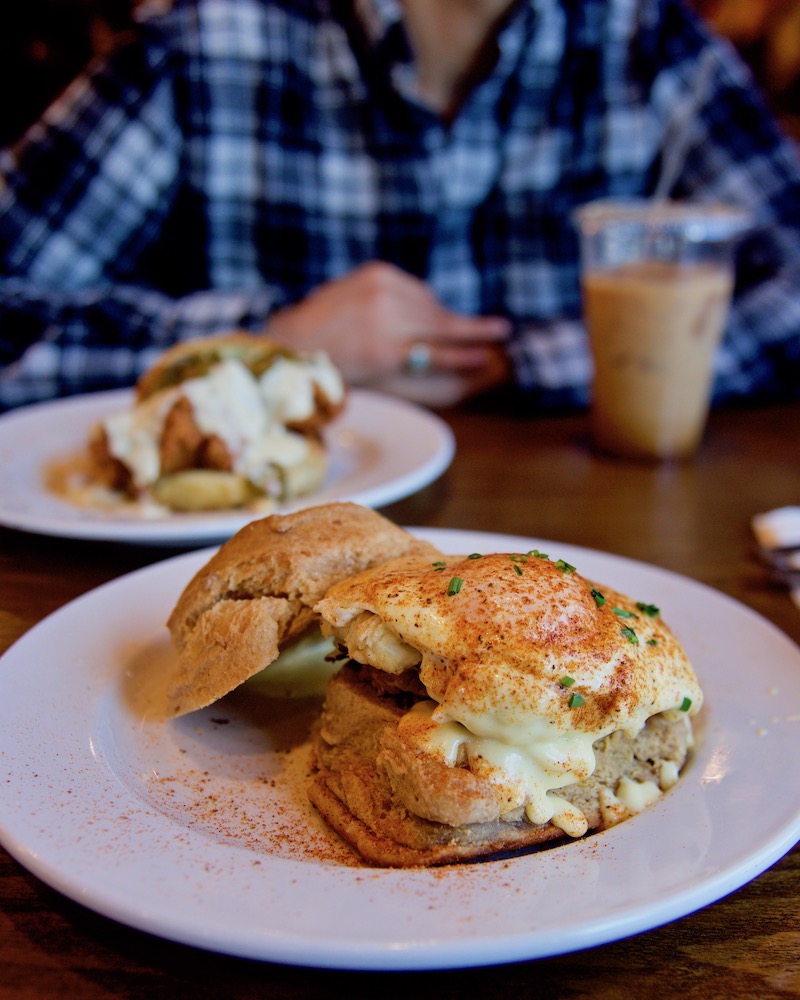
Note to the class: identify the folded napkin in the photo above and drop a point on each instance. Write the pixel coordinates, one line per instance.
(778, 535)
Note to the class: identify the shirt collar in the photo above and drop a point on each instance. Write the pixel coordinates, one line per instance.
(383, 32)
(378, 18)
(381, 19)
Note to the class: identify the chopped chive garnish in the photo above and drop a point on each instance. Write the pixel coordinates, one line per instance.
(652, 642)
(517, 569)
(686, 704)
(566, 682)
(631, 636)
(648, 609)
(439, 565)
(576, 700)
(474, 555)
(599, 600)
(454, 586)
(622, 613)
(538, 555)
(565, 566)
(517, 557)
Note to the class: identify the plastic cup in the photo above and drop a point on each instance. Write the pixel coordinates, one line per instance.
(656, 279)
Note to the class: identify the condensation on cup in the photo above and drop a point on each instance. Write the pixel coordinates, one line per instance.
(657, 278)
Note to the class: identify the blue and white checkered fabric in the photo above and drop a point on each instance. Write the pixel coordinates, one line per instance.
(237, 153)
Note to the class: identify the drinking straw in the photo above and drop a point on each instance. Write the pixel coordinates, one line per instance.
(678, 133)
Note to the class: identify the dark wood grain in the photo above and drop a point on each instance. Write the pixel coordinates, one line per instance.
(535, 477)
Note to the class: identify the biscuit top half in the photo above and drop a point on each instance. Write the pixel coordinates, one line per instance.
(255, 595)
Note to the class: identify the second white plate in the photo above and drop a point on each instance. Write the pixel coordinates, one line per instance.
(381, 449)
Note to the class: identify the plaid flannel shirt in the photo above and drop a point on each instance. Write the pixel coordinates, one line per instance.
(236, 153)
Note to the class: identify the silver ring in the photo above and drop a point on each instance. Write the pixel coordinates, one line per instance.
(419, 360)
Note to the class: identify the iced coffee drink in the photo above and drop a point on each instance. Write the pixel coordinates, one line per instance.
(654, 328)
(657, 279)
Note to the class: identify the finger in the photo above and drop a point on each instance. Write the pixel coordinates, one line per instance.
(443, 356)
(443, 388)
(457, 326)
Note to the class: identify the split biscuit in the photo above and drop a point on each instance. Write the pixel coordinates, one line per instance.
(257, 592)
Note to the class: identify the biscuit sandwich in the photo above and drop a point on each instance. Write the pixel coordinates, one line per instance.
(221, 422)
(491, 703)
(480, 704)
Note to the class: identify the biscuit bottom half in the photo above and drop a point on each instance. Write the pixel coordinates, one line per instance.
(355, 795)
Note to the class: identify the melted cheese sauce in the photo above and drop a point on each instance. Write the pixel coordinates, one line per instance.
(529, 769)
(246, 413)
(288, 387)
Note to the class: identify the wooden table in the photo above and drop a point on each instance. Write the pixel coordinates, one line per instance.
(511, 474)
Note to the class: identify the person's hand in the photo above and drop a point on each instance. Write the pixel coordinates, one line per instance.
(378, 318)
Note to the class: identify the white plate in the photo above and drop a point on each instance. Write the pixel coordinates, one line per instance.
(198, 830)
(381, 449)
